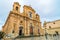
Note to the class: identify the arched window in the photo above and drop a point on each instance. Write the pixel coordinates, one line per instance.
(53, 22)
(49, 26)
(30, 24)
(21, 21)
(13, 31)
(16, 8)
(30, 14)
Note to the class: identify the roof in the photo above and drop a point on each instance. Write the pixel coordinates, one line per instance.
(53, 21)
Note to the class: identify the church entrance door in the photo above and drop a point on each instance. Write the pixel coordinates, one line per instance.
(20, 30)
(31, 30)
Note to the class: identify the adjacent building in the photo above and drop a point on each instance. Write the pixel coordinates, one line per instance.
(52, 27)
(26, 23)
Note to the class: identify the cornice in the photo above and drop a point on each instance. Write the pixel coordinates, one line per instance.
(24, 16)
(53, 21)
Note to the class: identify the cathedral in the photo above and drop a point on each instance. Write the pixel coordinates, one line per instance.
(26, 23)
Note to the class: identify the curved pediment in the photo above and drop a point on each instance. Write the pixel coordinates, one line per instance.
(29, 7)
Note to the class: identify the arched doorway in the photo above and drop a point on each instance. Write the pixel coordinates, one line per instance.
(31, 30)
(20, 30)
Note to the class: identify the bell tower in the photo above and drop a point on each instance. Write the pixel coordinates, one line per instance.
(16, 7)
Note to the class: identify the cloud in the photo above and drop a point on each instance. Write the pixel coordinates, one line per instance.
(45, 19)
(46, 6)
(46, 2)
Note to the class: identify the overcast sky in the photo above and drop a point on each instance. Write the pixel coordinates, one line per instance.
(49, 10)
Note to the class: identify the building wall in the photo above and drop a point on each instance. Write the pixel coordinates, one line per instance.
(53, 31)
(17, 19)
(53, 26)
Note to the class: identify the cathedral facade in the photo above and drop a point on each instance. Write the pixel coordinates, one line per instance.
(26, 23)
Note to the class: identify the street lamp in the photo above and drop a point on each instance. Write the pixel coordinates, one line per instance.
(45, 29)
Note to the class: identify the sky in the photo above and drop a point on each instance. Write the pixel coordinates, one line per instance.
(49, 10)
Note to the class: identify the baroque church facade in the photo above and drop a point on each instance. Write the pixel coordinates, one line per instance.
(26, 23)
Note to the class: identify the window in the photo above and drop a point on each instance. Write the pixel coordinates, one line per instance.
(57, 32)
(20, 21)
(54, 23)
(13, 31)
(36, 16)
(30, 14)
(49, 26)
(17, 8)
(30, 24)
